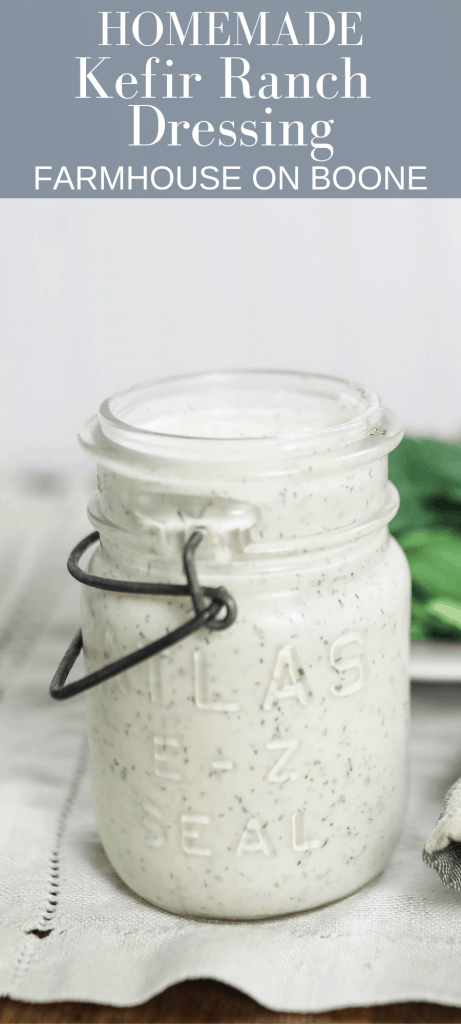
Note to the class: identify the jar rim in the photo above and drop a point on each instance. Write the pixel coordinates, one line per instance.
(316, 414)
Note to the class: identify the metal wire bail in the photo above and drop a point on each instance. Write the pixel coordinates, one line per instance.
(207, 614)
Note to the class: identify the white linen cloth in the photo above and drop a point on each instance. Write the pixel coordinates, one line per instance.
(397, 939)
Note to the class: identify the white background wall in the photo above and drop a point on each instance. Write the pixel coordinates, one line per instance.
(97, 295)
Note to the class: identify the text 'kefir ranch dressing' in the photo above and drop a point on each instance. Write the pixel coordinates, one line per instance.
(259, 770)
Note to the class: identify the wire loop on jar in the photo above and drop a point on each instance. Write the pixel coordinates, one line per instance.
(206, 615)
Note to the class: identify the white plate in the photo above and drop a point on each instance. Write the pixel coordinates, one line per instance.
(435, 661)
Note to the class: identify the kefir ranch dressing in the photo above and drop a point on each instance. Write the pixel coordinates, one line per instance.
(259, 770)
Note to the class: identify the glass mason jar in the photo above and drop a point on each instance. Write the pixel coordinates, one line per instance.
(259, 770)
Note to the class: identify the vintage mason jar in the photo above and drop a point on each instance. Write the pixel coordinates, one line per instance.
(259, 770)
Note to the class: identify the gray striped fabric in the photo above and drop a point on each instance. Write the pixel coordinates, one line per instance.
(443, 848)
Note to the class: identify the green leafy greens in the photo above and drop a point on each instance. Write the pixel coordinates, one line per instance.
(427, 474)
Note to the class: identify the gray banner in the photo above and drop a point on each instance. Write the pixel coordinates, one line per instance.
(172, 102)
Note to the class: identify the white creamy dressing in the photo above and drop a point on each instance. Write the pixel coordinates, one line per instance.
(259, 770)
(245, 422)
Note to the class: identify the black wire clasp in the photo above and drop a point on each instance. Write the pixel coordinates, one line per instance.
(206, 614)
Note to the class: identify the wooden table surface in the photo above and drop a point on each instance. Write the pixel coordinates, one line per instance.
(210, 1002)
